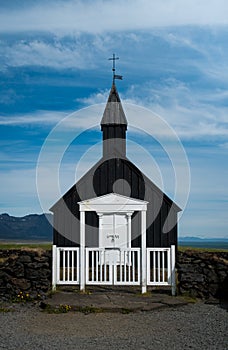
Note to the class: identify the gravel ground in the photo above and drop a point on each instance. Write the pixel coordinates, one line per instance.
(195, 326)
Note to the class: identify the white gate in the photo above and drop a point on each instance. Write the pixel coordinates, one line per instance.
(109, 266)
(65, 269)
(161, 267)
(114, 266)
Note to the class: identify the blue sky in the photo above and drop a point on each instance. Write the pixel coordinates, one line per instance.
(173, 56)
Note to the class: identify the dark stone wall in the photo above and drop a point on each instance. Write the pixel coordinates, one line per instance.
(200, 274)
(203, 274)
(25, 271)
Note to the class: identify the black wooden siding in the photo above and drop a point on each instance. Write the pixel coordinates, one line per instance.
(114, 140)
(99, 181)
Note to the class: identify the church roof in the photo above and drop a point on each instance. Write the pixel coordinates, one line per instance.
(114, 113)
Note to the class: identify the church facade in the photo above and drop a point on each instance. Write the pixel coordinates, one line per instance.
(114, 180)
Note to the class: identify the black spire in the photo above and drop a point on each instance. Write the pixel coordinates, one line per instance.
(113, 113)
(114, 123)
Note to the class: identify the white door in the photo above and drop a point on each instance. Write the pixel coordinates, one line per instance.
(114, 231)
(113, 235)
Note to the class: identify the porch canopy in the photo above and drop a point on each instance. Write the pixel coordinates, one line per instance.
(113, 203)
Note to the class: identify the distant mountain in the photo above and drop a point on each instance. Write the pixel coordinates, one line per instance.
(197, 242)
(29, 227)
(198, 239)
(38, 227)
(190, 239)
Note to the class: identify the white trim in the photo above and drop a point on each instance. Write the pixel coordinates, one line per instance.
(103, 271)
(82, 250)
(107, 197)
(54, 267)
(143, 251)
(111, 203)
(129, 229)
(173, 272)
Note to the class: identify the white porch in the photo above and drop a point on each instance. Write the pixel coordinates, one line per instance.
(160, 267)
(114, 212)
(114, 261)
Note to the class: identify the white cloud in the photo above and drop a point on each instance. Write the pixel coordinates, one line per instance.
(184, 52)
(99, 97)
(41, 53)
(191, 113)
(100, 15)
(215, 70)
(8, 97)
(224, 145)
(39, 117)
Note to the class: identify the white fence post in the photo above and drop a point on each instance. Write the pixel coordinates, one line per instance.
(143, 252)
(54, 267)
(173, 271)
(82, 250)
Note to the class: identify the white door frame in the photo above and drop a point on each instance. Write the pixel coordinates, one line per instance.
(123, 237)
(128, 226)
(113, 203)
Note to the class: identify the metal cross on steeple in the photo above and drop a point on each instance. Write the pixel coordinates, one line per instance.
(115, 76)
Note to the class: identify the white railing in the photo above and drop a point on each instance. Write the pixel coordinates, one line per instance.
(127, 271)
(98, 268)
(113, 266)
(65, 265)
(161, 267)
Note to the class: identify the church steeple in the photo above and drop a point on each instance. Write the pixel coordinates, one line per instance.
(114, 126)
(113, 113)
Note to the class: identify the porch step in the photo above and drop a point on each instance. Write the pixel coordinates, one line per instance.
(112, 300)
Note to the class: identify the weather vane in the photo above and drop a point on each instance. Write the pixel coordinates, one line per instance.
(115, 76)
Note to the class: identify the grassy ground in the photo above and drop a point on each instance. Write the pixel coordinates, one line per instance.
(8, 245)
(48, 246)
(183, 249)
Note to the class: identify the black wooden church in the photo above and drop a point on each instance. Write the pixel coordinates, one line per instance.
(115, 173)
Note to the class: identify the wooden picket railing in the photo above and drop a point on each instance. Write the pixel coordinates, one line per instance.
(114, 266)
(161, 267)
(65, 269)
